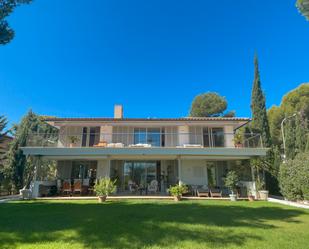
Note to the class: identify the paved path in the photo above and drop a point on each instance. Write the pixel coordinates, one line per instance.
(289, 203)
(9, 198)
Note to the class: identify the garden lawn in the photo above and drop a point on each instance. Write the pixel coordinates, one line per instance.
(152, 224)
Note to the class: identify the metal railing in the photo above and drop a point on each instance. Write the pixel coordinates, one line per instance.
(145, 140)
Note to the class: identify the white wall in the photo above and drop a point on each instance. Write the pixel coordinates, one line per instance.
(193, 172)
(106, 133)
(103, 169)
(229, 130)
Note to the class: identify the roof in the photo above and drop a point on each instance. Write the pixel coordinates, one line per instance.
(151, 119)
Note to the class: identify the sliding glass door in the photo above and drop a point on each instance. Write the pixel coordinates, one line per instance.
(140, 173)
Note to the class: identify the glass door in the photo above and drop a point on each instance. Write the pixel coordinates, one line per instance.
(140, 173)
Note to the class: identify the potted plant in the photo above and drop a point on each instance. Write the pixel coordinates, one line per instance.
(250, 195)
(73, 140)
(104, 187)
(230, 182)
(238, 140)
(177, 191)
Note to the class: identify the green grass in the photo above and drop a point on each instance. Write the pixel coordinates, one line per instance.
(152, 224)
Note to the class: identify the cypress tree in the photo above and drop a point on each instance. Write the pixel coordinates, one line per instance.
(259, 122)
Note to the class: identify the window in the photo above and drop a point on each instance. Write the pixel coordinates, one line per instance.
(206, 137)
(147, 136)
(218, 137)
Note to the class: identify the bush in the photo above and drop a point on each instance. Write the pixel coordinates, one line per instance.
(178, 190)
(294, 178)
(105, 187)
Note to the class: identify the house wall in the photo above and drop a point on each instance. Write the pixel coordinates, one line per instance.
(193, 172)
(103, 169)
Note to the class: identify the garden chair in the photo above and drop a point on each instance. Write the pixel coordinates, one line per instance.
(66, 188)
(215, 192)
(77, 187)
(153, 186)
(203, 191)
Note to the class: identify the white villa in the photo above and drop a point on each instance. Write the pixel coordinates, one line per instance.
(145, 155)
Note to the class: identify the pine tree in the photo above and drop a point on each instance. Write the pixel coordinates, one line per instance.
(259, 122)
(6, 8)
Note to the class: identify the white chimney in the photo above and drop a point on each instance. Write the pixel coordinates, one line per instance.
(118, 111)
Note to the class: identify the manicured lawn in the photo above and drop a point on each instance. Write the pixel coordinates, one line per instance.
(152, 224)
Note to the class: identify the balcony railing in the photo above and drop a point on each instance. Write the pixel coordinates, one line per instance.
(145, 140)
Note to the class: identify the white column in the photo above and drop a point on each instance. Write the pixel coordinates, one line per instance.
(228, 136)
(106, 133)
(179, 171)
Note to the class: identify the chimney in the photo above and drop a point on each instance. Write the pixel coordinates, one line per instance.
(118, 111)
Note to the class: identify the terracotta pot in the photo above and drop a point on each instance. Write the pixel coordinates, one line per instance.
(177, 198)
(251, 197)
(71, 145)
(102, 198)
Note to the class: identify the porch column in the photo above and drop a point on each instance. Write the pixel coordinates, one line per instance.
(179, 171)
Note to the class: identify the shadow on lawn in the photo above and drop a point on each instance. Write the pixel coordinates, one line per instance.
(135, 224)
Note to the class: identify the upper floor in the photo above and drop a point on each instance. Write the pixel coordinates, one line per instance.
(119, 132)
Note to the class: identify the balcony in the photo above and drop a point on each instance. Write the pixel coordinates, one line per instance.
(144, 140)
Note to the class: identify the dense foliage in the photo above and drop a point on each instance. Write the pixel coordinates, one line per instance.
(209, 105)
(295, 108)
(231, 180)
(294, 177)
(105, 187)
(19, 168)
(178, 190)
(303, 7)
(6, 8)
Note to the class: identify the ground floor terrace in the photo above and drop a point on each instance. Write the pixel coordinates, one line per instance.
(141, 177)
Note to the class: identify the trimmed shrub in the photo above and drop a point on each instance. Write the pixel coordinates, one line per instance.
(294, 178)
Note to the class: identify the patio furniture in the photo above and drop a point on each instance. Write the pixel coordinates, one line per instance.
(132, 186)
(77, 186)
(115, 145)
(66, 187)
(203, 191)
(215, 192)
(101, 144)
(140, 145)
(153, 186)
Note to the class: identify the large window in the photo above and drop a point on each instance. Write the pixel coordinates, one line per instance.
(147, 136)
(218, 137)
(213, 137)
(83, 169)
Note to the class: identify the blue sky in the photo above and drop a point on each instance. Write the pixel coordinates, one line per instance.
(79, 58)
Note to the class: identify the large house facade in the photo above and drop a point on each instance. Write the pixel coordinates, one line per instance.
(145, 155)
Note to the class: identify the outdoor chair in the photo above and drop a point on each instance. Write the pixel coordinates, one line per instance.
(215, 192)
(202, 191)
(66, 188)
(153, 186)
(132, 186)
(77, 187)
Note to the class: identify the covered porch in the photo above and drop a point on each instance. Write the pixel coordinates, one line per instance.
(141, 176)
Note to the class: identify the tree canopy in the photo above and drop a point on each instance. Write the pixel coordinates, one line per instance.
(6, 8)
(210, 104)
(295, 101)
